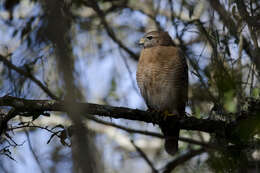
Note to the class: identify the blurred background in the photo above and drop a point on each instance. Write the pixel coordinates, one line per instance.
(87, 50)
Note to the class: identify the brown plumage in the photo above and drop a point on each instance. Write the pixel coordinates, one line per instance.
(162, 76)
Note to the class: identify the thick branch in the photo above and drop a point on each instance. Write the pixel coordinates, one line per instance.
(187, 123)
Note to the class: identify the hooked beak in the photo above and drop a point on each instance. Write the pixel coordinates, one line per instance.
(141, 42)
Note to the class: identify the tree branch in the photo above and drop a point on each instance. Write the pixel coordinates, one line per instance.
(232, 27)
(221, 129)
(181, 159)
(187, 123)
(246, 17)
(153, 134)
(144, 156)
(94, 5)
(28, 75)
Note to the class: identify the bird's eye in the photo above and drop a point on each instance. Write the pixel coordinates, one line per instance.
(149, 37)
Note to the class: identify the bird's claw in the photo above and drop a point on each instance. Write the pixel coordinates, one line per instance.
(167, 114)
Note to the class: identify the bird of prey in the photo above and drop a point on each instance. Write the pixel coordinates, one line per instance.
(162, 76)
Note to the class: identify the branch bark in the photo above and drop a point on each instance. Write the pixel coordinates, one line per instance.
(187, 123)
(228, 131)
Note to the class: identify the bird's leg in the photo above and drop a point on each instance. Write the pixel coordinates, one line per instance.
(168, 114)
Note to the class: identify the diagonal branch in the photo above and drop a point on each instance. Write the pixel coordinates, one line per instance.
(181, 159)
(36, 158)
(144, 156)
(94, 5)
(28, 75)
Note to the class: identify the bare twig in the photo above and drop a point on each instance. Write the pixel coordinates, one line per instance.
(152, 17)
(28, 75)
(33, 152)
(94, 5)
(32, 126)
(153, 134)
(181, 159)
(144, 156)
(128, 70)
(129, 130)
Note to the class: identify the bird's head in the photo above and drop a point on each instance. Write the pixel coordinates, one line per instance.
(156, 38)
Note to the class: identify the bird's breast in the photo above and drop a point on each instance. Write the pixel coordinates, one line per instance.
(155, 77)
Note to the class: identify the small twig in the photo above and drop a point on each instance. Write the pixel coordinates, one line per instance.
(181, 159)
(28, 75)
(152, 17)
(144, 156)
(252, 79)
(32, 126)
(10, 138)
(152, 134)
(195, 66)
(129, 130)
(128, 70)
(94, 5)
(33, 153)
(232, 27)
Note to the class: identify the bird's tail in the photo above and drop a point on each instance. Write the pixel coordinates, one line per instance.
(171, 134)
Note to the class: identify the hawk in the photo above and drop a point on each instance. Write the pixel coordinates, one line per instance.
(162, 76)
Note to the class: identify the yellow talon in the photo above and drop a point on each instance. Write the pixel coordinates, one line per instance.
(166, 114)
